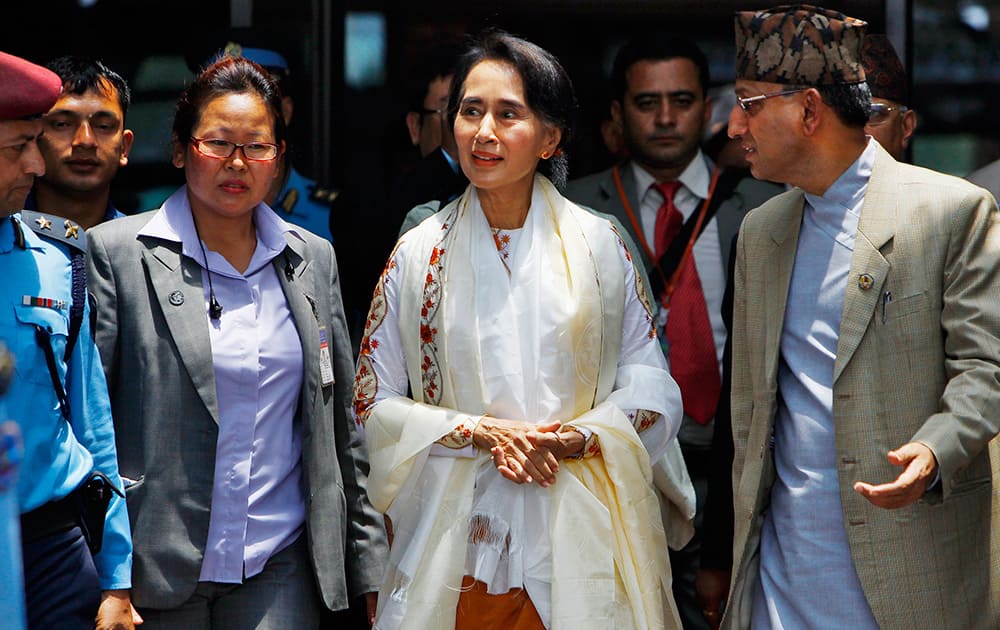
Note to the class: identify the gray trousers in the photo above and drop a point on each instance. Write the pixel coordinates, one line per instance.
(281, 596)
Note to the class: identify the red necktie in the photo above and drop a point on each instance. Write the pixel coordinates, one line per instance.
(693, 362)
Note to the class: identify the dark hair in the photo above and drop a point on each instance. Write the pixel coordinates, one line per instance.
(656, 49)
(851, 102)
(548, 90)
(229, 75)
(80, 74)
(439, 63)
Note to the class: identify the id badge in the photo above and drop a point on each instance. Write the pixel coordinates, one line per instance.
(325, 363)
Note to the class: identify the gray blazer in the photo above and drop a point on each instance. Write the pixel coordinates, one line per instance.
(598, 191)
(157, 357)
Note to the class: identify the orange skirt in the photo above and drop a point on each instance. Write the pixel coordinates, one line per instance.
(478, 610)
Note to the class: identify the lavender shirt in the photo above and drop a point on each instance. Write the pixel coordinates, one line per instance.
(258, 506)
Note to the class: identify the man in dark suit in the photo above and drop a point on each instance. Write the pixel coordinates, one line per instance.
(437, 177)
(684, 213)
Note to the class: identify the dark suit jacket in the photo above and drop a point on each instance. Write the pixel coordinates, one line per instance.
(432, 179)
(598, 191)
(158, 361)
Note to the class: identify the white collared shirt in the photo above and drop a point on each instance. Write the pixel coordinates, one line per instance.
(707, 251)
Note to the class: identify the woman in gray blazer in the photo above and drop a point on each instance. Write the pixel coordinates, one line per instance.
(228, 361)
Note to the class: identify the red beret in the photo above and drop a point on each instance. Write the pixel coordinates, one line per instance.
(28, 90)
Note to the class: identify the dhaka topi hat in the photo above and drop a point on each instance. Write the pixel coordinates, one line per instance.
(799, 45)
(27, 89)
(886, 77)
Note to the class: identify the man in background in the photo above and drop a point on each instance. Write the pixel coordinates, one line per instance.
(891, 120)
(669, 195)
(84, 144)
(988, 177)
(437, 178)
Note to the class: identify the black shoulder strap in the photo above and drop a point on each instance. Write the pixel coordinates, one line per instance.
(43, 338)
(71, 235)
(79, 296)
(668, 262)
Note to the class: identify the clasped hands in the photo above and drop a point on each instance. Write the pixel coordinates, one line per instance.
(525, 452)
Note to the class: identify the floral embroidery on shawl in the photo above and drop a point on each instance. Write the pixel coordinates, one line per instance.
(365, 379)
(430, 371)
(640, 286)
(643, 419)
(459, 437)
(502, 241)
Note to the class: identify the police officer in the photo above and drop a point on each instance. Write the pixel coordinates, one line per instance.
(11, 568)
(76, 547)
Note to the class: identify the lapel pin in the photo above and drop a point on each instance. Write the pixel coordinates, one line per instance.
(866, 281)
(43, 223)
(176, 298)
(72, 231)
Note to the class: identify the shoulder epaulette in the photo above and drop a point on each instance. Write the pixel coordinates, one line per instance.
(325, 196)
(288, 203)
(56, 228)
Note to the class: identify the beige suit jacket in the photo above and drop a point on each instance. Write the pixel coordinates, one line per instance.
(924, 367)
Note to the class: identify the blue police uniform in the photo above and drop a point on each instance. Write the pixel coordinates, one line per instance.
(11, 576)
(111, 213)
(302, 202)
(59, 452)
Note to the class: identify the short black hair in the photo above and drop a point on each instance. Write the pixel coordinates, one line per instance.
(656, 49)
(851, 102)
(80, 74)
(548, 90)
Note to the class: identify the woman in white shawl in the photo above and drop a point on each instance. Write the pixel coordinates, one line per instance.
(512, 388)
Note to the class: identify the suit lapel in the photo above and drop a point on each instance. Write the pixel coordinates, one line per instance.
(617, 208)
(728, 218)
(876, 227)
(293, 271)
(784, 229)
(176, 283)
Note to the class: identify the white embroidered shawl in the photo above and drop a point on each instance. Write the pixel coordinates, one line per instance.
(608, 551)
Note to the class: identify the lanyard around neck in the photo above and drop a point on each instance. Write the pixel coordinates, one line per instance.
(670, 284)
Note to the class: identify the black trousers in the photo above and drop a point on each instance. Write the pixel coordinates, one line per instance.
(61, 587)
